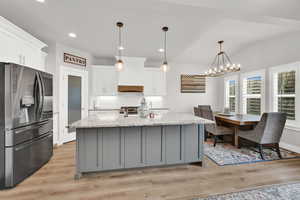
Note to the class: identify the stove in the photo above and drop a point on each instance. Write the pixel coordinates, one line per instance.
(132, 110)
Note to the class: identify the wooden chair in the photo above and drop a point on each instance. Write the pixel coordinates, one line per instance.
(267, 133)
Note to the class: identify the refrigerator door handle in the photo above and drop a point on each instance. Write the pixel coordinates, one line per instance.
(40, 96)
(43, 92)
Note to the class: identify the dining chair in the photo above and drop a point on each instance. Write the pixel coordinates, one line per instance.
(268, 132)
(216, 130)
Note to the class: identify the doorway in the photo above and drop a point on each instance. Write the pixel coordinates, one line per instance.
(74, 100)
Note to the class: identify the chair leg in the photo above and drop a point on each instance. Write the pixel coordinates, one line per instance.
(215, 140)
(239, 143)
(278, 150)
(260, 147)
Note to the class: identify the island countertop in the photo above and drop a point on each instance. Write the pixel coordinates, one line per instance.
(117, 120)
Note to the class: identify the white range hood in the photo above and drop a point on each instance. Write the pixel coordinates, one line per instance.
(133, 72)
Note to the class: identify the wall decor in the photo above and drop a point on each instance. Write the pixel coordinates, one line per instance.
(193, 83)
(76, 60)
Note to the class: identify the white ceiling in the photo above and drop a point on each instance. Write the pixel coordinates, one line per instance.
(195, 25)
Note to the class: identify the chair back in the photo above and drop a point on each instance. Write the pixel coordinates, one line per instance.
(206, 112)
(270, 128)
(197, 112)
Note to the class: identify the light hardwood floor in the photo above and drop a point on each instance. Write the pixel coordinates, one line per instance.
(55, 180)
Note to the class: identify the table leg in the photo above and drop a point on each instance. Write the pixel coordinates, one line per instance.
(236, 138)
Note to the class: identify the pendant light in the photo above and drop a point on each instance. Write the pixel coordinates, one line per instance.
(165, 66)
(120, 64)
(222, 64)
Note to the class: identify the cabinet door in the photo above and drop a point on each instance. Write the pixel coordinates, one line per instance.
(191, 143)
(174, 144)
(154, 82)
(112, 148)
(104, 80)
(159, 83)
(154, 148)
(8, 49)
(133, 147)
(148, 82)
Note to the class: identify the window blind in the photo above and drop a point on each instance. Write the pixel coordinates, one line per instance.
(287, 93)
(254, 95)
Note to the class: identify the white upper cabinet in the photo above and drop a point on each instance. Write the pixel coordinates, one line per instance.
(154, 82)
(133, 72)
(18, 46)
(104, 80)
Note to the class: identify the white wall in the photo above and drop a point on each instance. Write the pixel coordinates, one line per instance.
(54, 61)
(184, 102)
(276, 51)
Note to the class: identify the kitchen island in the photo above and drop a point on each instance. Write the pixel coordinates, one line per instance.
(113, 142)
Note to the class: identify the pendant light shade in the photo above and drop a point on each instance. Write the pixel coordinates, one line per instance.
(165, 67)
(119, 63)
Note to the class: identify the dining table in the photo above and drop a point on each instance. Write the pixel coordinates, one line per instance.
(237, 122)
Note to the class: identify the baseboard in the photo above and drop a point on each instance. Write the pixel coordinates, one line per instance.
(290, 147)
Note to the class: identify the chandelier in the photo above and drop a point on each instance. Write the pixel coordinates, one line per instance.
(222, 64)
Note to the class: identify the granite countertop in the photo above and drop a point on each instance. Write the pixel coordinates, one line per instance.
(117, 109)
(116, 120)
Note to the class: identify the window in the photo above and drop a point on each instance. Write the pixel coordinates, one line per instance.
(253, 93)
(284, 91)
(231, 84)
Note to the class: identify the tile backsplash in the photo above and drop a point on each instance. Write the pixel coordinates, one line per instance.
(115, 102)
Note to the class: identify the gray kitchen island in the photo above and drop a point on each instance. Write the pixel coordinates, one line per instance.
(112, 142)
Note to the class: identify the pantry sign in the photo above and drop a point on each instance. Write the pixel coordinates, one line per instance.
(76, 60)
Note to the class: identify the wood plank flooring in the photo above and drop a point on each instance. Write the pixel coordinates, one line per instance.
(55, 181)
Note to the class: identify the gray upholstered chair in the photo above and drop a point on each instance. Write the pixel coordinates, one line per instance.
(214, 129)
(267, 132)
(197, 111)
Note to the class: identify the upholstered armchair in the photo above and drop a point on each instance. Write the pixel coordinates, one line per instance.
(215, 130)
(267, 132)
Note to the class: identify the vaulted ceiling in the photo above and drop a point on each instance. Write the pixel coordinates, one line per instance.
(195, 25)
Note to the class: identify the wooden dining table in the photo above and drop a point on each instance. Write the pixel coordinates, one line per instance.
(237, 122)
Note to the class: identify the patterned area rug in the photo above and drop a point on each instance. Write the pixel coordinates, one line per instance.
(226, 154)
(276, 192)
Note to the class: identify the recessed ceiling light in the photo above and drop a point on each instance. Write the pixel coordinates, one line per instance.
(161, 50)
(72, 35)
(121, 48)
(41, 1)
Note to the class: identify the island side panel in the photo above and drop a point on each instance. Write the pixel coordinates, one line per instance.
(173, 144)
(105, 149)
(192, 143)
(153, 145)
(112, 151)
(133, 152)
(87, 149)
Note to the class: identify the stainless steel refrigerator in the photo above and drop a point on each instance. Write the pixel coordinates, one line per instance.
(26, 122)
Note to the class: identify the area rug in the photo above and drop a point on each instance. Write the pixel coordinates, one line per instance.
(275, 192)
(226, 154)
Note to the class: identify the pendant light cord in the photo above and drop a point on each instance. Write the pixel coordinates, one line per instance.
(165, 46)
(120, 43)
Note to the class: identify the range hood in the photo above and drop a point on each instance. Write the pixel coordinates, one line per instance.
(130, 88)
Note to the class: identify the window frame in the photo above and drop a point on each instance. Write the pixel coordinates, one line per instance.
(227, 89)
(274, 95)
(245, 96)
